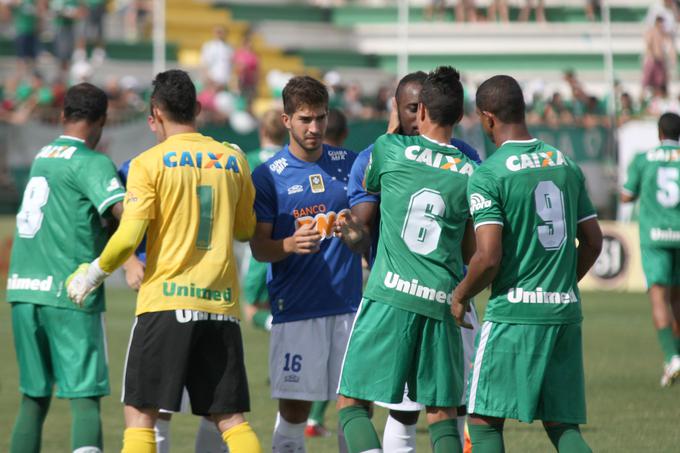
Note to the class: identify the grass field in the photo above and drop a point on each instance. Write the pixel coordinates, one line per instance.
(627, 410)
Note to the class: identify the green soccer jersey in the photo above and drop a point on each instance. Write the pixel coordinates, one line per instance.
(423, 213)
(59, 225)
(25, 17)
(257, 157)
(654, 177)
(538, 195)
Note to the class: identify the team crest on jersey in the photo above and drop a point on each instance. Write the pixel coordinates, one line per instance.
(316, 183)
(477, 202)
(435, 159)
(113, 185)
(535, 160)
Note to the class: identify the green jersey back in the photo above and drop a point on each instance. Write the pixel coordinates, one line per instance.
(257, 157)
(59, 225)
(538, 195)
(423, 213)
(654, 177)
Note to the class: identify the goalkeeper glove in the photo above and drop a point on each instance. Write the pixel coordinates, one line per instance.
(84, 280)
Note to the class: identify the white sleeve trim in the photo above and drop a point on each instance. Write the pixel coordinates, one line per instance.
(628, 192)
(591, 216)
(488, 222)
(106, 202)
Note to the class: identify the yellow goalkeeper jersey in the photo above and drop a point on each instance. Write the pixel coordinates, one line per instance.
(198, 196)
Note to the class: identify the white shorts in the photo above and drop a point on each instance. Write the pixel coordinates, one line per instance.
(305, 357)
(468, 340)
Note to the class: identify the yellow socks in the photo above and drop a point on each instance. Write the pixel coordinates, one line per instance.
(241, 439)
(139, 440)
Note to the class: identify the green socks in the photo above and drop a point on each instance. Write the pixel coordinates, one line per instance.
(318, 412)
(486, 438)
(567, 438)
(667, 341)
(27, 432)
(86, 425)
(444, 436)
(359, 432)
(261, 320)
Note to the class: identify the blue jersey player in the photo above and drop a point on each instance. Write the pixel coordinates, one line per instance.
(314, 280)
(400, 430)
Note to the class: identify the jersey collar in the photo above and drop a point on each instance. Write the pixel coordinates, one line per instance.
(448, 145)
(70, 137)
(667, 142)
(519, 141)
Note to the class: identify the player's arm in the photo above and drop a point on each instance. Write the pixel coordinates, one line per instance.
(589, 245)
(244, 223)
(304, 241)
(631, 188)
(355, 229)
(469, 244)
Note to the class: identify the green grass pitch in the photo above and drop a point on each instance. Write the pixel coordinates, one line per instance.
(627, 410)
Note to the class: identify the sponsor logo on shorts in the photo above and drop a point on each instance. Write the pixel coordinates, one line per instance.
(291, 378)
(278, 165)
(437, 160)
(297, 188)
(535, 160)
(414, 288)
(29, 284)
(658, 234)
(538, 296)
(200, 160)
(171, 289)
(184, 316)
(477, 202)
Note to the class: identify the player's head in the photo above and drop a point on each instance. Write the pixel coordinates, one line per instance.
(669, 126)
(500, 102)
(408, 97)
(441, 98)
(272, 130)
(173, 102)
(85, 107)
(305, 112)
(337, 130)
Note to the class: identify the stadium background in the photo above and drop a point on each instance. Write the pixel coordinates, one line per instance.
(575, 70)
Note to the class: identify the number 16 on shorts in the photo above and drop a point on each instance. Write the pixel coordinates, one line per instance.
(293, 362)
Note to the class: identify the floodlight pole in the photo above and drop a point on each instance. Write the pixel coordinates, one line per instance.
(158, 36)
(402, 55)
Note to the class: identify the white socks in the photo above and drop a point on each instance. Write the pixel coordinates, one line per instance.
(288, 437)
(399, 438)
(209, 438)
(162, 429)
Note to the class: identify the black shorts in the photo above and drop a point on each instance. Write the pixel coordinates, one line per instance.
(27, 46)
(170, 350)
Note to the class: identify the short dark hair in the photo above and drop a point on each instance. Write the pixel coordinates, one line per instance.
(669, 126)
(175, 94)
(442, 95)
(304, 90)
(417, 78)
(85, 102)
(337, 125)
(502, 96)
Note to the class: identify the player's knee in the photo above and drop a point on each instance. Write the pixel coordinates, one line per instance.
(405, 417)
(294, 411)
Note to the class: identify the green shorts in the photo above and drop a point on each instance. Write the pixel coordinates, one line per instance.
(661, 265)
(390, 347)
(255, 283)
(527, 372)
(62, 347)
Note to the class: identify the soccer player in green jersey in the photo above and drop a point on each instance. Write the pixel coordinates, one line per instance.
(654, 178)
(529, 206)
(71, 187)
(404, 331)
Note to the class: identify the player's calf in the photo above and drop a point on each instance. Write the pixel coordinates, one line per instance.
(566, 437)
(355, 422)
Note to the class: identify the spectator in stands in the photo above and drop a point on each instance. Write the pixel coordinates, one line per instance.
(435, 8)
(381, 104)
(466, 11)
(498, 10)
(27, 15)
(94, 29)
(668, 11)
(137, 17)
(593, 114)
(246, 65)
(66, 14)
(557, 112)
(352, 101)
(216, 59)
(593, 7)
(526, 11)
(337, 130)
(626, 110)
(659, 52)
(661, 103)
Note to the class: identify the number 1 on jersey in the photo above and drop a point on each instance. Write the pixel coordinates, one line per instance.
(205, 213)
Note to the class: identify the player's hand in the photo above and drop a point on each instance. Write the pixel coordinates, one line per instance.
(134, 272)
(393, 124)
(83, 281)
(458, 310)
(305, 240)
(348, 229)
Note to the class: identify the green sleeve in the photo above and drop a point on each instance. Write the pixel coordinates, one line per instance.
(98, 180)
(484, 198)
(376, 165)
(632, 185)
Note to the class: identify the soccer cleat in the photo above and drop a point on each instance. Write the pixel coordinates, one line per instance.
(671, 371)
(316, 430)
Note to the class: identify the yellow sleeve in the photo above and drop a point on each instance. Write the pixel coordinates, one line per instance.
(122, 244)
(140, 198)
(244, 223)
